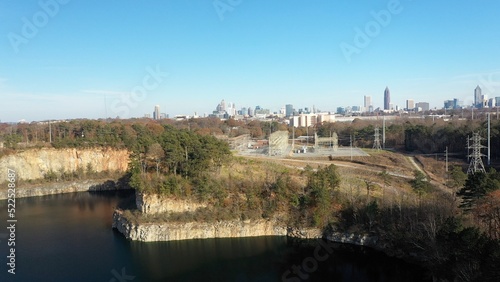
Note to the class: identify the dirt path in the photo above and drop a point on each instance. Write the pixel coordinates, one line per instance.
(303, 163)
(414, 163)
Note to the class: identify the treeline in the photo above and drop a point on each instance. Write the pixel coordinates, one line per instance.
(427, 136)
(121, 133)
(416, 135)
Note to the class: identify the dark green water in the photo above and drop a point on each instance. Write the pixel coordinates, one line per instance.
(69, 238)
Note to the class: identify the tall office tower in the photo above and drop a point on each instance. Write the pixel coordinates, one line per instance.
(410, 105)
(223, 105)
(478, 97)
(156, 113)
(288, 110)
(368, 103)
(387, 99)
(484, 100)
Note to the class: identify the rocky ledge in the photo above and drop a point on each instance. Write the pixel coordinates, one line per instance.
(172, 231)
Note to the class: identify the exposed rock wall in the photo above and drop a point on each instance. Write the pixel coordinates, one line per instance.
(35, 163)
(153, 203)
(171, 231)
(64, 187)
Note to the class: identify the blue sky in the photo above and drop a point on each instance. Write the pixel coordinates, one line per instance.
(75, 58)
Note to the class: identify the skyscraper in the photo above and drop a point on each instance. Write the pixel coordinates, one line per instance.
(387, 99)
(410, 105)
(156, 113)
(478, 97)
(288, 110)
(368, 103)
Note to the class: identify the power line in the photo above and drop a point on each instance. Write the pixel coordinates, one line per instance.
(376, 142)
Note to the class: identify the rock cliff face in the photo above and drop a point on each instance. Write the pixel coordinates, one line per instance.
(171, 231)
(153, 203)
(65, 187)
(35, 163)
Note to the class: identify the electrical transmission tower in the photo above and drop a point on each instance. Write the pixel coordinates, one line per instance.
(476, 163)
(376, 143)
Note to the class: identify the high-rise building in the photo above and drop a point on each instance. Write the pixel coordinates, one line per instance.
(223, 105)
(387, 99)
(410, 105)
(492, 103)
(478, 97)
(156, 113)
(497, 101)
(368, 103)
(422, 106)
(288, 110)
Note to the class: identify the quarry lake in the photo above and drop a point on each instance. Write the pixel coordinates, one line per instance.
(68, 237)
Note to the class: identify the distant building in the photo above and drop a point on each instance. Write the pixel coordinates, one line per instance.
(484, 99)
(156, 113)
(250, 112)
(387, 99)
(307, 120)
(492, 103)
(367, 103)
(221, 107)
(422, 106)
(497, 101)
(478, 98)
(288, 110)
(448, 104)
(453, 104)
(261, 112)
(410, 105)
(341, 110)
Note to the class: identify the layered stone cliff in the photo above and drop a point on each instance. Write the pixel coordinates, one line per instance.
(35, 163)
(171, 231)
(154, 203)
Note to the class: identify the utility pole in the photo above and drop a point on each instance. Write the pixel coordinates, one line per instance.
(489, 137)
(468, 148)
(383, 134)
(446, 152)
(376, 142)
(307, 139)
(270, 132)
(351, 148)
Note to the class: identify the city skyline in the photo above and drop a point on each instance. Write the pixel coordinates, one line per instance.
(80, 61)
